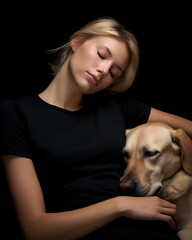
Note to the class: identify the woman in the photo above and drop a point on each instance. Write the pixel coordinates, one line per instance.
(62, 148)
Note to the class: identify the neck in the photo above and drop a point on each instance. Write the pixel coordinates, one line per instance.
(62, 92)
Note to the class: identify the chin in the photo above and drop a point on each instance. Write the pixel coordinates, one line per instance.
(87, 89)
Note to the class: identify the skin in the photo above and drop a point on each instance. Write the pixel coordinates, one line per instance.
(75, 79)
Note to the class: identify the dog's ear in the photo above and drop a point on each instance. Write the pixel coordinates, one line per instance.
(127, 131)
(185, 144)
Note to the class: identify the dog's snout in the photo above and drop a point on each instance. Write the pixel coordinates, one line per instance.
(128, 186)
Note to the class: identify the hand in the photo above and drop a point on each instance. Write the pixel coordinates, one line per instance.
(149, 208)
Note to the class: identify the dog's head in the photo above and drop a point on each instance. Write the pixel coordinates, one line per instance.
(154, 152)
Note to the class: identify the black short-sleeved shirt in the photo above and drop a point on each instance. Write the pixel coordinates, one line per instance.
(77, 155)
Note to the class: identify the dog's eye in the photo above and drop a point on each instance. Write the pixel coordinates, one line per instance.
(126, 156)
(149, 153)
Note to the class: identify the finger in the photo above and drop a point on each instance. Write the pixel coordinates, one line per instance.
(174, 214)
(170, 221)
(170, 209)
(167, 204)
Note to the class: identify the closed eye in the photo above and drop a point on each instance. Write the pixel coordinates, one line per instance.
(112, 75)
(126, 155)
(100, 55)
(148, 153)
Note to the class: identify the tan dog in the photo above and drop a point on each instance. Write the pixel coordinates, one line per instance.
(159, 162)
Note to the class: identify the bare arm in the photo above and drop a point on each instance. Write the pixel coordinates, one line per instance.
(172, 120)
(37, 224)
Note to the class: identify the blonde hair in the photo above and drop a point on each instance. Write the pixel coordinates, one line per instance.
(104, 27)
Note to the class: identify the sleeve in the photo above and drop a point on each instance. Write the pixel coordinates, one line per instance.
(13, 131)
(134, 111)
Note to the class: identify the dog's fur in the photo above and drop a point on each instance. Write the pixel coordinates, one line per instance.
(159, 162)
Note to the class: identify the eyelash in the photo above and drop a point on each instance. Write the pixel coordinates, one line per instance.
(112, 75)
(100, 55)
(104, 58)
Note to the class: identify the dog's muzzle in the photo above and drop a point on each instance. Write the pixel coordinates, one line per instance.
(133, 188)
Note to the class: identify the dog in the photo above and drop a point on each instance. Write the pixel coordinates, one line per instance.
(159, 162)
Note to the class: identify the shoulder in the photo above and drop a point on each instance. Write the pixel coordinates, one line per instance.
(135, 111)
(7, 107)
(13, 102)
(104, 98)
(126, 100)
(6, 104)
(13, 128)
(10, 108)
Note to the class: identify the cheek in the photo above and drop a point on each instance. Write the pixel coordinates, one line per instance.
(79, 62)
(106, 82)
(86, 56)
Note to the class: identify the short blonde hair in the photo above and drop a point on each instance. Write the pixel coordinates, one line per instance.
(104, 27)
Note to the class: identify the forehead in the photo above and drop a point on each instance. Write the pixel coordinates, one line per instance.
(115, 45)
(154, 137)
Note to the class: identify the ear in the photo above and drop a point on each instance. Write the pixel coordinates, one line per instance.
(127, 131)
(185, 144)
(76, 42)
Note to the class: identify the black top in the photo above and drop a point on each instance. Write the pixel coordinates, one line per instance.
(77, 155)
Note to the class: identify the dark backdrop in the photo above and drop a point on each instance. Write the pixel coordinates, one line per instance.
(163, 32)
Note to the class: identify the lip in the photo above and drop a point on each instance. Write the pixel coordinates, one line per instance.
(93, 78)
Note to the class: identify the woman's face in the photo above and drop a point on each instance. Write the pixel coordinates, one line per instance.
(97, 63)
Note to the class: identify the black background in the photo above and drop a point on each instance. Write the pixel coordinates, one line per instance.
(163, 32)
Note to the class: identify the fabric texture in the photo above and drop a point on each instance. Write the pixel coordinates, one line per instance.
(77, 155)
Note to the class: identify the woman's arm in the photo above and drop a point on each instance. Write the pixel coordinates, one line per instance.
(171, 119)
(37, 224)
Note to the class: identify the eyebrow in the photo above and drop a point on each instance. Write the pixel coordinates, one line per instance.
(111, 55)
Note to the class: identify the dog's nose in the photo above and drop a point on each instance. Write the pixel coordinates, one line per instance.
(128, 186)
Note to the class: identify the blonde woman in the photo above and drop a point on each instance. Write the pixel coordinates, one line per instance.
(62, 148)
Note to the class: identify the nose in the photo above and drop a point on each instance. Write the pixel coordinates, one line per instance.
(128, 186)
(104, 67)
